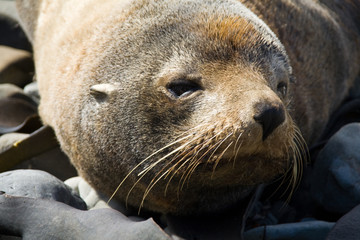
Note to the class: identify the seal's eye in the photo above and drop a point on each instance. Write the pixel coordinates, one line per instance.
(182, 87)
(282, 88)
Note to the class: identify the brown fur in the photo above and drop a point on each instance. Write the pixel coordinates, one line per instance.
(323, 45)
(106, 72)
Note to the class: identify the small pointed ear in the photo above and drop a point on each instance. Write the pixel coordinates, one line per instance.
(102, 92)
(28, 11)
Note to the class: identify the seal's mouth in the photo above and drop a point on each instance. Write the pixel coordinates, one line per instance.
(219, 157)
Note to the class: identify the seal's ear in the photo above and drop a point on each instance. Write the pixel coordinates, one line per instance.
(103, 91)
(28, 12)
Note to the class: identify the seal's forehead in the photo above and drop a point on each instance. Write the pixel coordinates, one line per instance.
(235, 30)
(188, 33)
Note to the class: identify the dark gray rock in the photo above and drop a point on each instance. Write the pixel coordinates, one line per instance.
(14, 112)
(39, 185)
(53, 161)
(43, 219)
(335, 181)
(348, 227)
(309, 230)
(8, 140)
(16, 66)
(11, 91)
(11, 33)
(18, 112)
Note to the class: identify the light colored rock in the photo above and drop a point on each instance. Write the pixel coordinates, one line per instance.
(92, 198)
(32, 91)
(7, 90)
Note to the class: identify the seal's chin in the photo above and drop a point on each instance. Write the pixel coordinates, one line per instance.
(221, 169)
(217, 185)
(234, 172)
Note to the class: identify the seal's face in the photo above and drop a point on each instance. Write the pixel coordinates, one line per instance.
(183, 106)
(192, 114)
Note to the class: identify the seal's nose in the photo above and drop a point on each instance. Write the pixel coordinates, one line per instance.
(270, 117)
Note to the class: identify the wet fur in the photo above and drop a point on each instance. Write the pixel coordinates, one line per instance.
(103, 71)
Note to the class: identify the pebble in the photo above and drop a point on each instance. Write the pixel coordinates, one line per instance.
(32, 91)
(92, 198)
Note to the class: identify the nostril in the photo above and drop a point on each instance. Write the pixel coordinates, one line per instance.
(270, 117)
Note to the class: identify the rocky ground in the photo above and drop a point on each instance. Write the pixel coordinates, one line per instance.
(325, 205)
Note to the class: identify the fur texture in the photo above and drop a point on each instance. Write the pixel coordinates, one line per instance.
(188, 105)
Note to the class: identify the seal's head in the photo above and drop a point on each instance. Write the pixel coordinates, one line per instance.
(182, 104)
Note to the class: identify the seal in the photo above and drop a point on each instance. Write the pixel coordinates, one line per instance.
(184, 107)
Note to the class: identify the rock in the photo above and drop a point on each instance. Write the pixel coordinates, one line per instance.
(53, 161)
(18, 112)
(27, 209)
(8, 140)
(308, 230)
(11, 33)
(14, 111)
(32, 91)
(44, 219)
(92, 198)
(7, 90)
(39, 185)
(347, 227)
(15, 108)
(16, 66)
(335, 181)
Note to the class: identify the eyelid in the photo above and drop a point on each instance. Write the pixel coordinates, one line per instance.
(181, 88)
(196, 78)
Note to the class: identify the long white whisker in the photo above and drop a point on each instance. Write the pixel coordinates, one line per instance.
(143, 161)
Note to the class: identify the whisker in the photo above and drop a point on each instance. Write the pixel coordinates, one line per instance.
(191, 170)
(217, 147)
(203, 145)
(237, 149)
(300, 153)
(219, 158)
(184, 175)
(172, 169)
(147, 169)
(157, 178)
(142, 174)
(184, 163)
(192, 166)
(148, 189)
(182, 181)
(146, 159)
(192, 162)
(236, 143)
